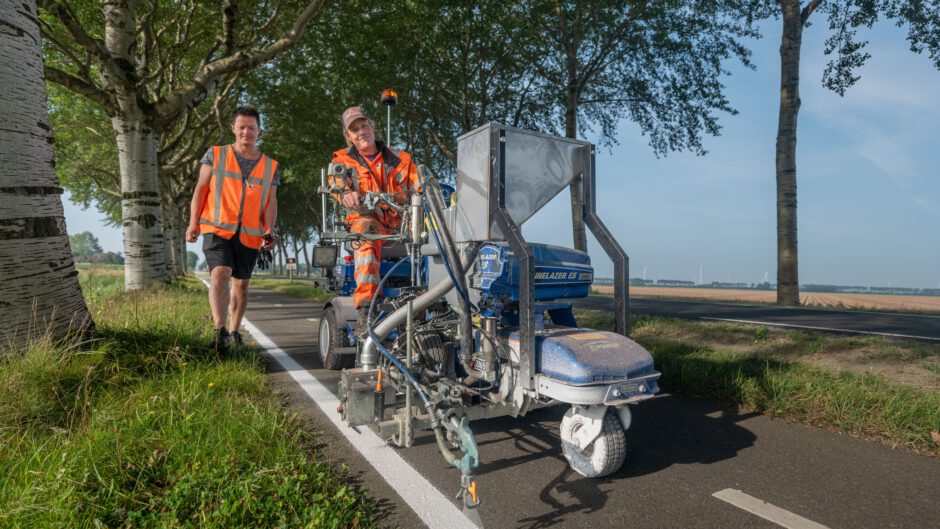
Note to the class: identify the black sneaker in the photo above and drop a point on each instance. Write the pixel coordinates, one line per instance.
(220, 339)
(236, 339)
(362, 328)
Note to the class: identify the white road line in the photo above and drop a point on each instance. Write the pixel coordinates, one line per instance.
(428, 503)
(313, 319)
(434, 509)
(765, 510)
(829, 329)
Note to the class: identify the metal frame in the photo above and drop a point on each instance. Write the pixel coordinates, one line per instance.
(513, 235)
(526, 265)
(611, 246)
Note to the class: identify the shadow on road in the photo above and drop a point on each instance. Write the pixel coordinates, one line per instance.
(666, 431)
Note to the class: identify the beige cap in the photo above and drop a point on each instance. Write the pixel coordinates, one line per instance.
(352, 114)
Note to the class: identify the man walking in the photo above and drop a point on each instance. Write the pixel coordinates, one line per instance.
(234, 207)
(374, 167)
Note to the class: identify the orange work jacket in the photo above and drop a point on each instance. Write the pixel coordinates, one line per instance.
(397, 176)
(235, 204)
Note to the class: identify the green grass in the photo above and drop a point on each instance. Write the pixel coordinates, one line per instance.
(300, 289)
(147, 428)
(757, 369)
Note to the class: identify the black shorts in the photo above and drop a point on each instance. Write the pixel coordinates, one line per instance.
(220, 251)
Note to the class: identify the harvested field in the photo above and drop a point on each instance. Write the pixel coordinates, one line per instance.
(814, 299)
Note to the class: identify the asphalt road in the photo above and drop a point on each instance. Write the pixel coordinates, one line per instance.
(922, 327)
(680, 452)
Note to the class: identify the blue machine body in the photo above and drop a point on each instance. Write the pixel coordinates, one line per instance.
(587, 356)
(560, 273)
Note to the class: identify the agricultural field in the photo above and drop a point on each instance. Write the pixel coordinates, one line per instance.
(837, 300)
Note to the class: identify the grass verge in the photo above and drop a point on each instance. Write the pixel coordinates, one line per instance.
(768, 370)
(300, 289)
(147, 428)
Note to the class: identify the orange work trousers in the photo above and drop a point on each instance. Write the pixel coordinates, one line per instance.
(367, 258)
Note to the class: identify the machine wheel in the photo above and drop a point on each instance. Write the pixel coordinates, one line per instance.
(604, 455)
(329, 342)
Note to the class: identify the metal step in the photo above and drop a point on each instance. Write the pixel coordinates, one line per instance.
(344, 351)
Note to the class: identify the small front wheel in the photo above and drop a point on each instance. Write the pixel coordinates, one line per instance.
(604, 455)
(329, 342)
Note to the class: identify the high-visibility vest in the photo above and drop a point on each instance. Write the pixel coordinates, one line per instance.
(235, 204)
(396, 176)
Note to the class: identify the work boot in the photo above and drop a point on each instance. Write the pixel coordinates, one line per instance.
(362, 329)
(236, 339)
(220, 340)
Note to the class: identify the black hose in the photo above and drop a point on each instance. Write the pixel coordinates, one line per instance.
(435, 203)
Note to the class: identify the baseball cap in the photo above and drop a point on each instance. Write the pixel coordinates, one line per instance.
(352, 114)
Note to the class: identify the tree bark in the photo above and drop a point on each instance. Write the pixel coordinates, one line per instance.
(39, 295)
(306, 249)
(788, 284)
(173, 235)
(144, 247)
(577, 200)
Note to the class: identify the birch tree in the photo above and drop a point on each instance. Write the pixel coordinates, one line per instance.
(39, 292)
(148, 64)
(844, 18)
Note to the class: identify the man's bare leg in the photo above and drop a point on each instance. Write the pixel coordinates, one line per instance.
(219, 294)
(239, 302)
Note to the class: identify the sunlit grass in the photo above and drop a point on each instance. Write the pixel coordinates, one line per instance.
(146, 427)
(300, 289)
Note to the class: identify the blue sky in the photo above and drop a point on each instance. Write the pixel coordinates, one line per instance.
(867, 164)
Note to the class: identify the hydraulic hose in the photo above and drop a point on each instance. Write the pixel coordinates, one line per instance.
(435, 203)
(386, 326)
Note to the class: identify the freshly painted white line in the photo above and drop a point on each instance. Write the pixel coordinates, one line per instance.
(829, 329)
(428, 503)
(434, 509)
(765, 510)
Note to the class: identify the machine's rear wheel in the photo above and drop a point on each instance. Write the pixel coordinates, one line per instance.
(602, 456)
(329, 342)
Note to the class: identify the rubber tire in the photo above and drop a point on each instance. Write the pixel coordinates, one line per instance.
(328, 340)
(605, 455)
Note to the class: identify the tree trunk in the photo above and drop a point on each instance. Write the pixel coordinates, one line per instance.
(173, 235)
(39, 294)
(182, 216)
(577, 200)
(306, 248)
(280, 256)
(144, 249)
(788, 284)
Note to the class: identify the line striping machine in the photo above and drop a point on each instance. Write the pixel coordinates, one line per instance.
(477, 323)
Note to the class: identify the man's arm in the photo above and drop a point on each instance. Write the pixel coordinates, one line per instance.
(199, 198)
(270, 217)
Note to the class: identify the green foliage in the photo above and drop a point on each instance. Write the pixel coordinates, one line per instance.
(85, 152)
(192, 259)
(85, 249)
(147, 428)
(84, 244)
(845, 18)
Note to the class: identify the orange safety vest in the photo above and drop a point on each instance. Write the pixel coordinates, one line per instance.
(234, 204)
(396, 176)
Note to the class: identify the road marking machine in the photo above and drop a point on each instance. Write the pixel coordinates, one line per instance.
(477, 323)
